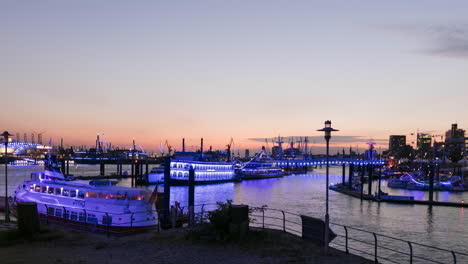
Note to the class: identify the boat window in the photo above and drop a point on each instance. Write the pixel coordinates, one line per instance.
(51, 190)
(44, 189)
(91, 194)
(92, 219)
(135, 197)
(66, 214)
(31, 188)
(106, 220)
(121, 196)
(65, 192)
(81, 217)
(58, 191)
(102, 195)
(58, 212)
(81, 194)
(72, 193)
(146, 196)
(74, 216)
(50, 211)
(112, 196)
(24, 186)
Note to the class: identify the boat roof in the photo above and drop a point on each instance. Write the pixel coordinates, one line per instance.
(84, 184)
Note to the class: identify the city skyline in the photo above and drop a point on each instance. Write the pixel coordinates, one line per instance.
(220, 69)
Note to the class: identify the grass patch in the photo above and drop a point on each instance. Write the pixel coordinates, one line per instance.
(14, 236)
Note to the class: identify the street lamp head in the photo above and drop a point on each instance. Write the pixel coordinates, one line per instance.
(327, 129)
(5, 136)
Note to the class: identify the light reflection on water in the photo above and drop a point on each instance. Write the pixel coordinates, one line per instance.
(305, 194)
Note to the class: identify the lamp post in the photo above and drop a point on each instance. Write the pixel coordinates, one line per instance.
(5, 136)
(327, 129)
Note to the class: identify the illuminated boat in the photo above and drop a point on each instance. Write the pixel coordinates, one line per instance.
(100, 206)
(261, 170)
(205, 172)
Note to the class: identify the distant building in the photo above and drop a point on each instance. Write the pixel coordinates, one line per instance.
(455, 143)
(424, 145)
(247, 153)
(275, 152)
(396, 144)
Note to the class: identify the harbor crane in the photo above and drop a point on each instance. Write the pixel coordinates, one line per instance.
(169, 147)
(228, 150)
(267, 147)
(161, 149)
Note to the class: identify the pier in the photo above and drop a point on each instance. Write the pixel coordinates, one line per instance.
(397, 200)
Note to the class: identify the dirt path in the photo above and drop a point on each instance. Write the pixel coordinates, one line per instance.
(64, 246)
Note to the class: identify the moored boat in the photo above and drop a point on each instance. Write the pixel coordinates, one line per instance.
(101, 206)
(206, 172)
(258, 170)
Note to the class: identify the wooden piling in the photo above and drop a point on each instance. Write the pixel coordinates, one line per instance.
(191, 195)
(370, 178)
(431, 183)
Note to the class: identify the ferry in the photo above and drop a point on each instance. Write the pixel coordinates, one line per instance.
(260, 170)
(206, 172)
(98, 206)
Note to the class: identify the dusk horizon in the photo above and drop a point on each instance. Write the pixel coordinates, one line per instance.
(220, 69)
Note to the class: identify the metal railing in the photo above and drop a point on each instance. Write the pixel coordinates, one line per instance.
(378, 247)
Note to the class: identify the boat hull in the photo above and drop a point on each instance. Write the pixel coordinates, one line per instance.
(182, 182)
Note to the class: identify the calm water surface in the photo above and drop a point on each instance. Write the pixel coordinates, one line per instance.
(445, 227)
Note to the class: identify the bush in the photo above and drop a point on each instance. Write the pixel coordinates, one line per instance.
(220, 219)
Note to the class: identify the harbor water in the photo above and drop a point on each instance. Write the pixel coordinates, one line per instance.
(445, 227)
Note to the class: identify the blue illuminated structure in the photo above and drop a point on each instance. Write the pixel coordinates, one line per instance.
(332, 161)
(19, 148)
(205, 172)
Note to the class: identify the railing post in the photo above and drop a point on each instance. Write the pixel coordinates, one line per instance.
(263, 218)
(454, 257)
(131, 219)
(173, 216)
(375, 248)
(410, 252)
(85, 220)
(346, 237)
(47, 214)
(202, 213)
(107, 224)
(284, 221)
(63, 215)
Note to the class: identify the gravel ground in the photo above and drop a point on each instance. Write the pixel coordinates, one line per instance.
(56, 245)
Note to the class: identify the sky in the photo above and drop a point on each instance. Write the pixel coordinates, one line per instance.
(167, 70)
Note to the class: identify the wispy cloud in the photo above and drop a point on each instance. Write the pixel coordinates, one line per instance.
(439, 40)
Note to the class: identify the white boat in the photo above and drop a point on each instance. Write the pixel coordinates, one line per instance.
(100, 206)
(261, 170)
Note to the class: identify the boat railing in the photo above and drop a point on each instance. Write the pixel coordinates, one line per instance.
(119, 224)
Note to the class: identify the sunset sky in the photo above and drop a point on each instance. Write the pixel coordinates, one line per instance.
(154, 70)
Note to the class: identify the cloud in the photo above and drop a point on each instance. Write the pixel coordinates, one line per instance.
(441, 40)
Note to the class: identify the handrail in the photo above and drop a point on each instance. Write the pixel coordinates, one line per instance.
(378, 248)
(280, 219)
